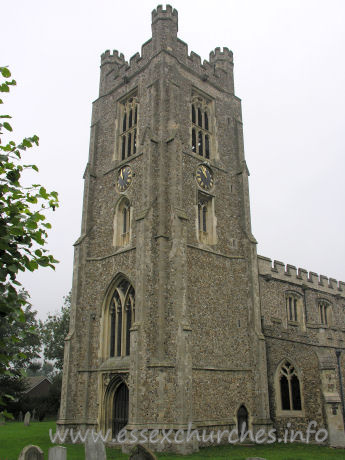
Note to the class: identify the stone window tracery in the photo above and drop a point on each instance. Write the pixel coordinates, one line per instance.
(201, 129)
(289, 388)
(129, 122)
(122, 316)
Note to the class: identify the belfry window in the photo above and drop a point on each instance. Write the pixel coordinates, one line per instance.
(289, 388)
(201, 133)
(122, 316)
(122, 223)
(128, 136)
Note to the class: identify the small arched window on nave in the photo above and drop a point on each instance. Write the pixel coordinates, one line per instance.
(325, 313)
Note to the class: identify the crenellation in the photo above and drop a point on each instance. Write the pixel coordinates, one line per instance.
(113, 56)
(134, 60)
(313, 278)
(302, 274)
(279, 267)
(206, 66)
(291, 270)
(332, 283)
(218, 55)
(168, 13)
(181, 50)
(195, 58)
(218, 70)
(299, 275)
(323, 280)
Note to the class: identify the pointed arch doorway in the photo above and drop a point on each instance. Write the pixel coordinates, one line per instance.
(114, 410)
(120, 409)
(242, 419)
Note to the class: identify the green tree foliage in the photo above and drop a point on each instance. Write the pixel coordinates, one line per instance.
(23, 226)
(21, 337)
(23, 235)
(22, 346)
(53, 333)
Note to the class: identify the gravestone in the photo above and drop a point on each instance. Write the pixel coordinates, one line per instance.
(27, 419)
(33, 418)
(31, 453)
(140, 452)
(2, 419)
(94, 450)
(57, 453)
(20, 416)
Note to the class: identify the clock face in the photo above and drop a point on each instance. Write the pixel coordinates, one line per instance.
(125, 178)
(204, 177)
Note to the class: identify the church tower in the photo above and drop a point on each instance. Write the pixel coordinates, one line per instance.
(165, 321)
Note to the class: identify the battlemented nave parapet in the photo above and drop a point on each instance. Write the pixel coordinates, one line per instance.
(301, 304)
(299, 276)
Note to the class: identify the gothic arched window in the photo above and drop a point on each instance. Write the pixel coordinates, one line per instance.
(122, 316)
(289, 388)
(206, 219)
(201, 133)
(122, 223)
(129, 120)
(295, 309)
(325, 312)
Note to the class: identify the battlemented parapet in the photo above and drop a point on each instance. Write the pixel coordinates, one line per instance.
(169, 13)
(217, 56)
(116, 71)
(164, 27)
(111, 63)
(299, 276)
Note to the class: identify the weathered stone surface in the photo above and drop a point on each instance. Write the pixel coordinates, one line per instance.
(140, 452)
(94, 450)
(27, 419)
(20, 416)
(31, 453)
(210, 327)
(57, 453)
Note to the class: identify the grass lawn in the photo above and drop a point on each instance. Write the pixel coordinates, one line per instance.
(14, 436)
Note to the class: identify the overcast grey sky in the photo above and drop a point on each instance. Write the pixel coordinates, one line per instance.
(289, 73)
